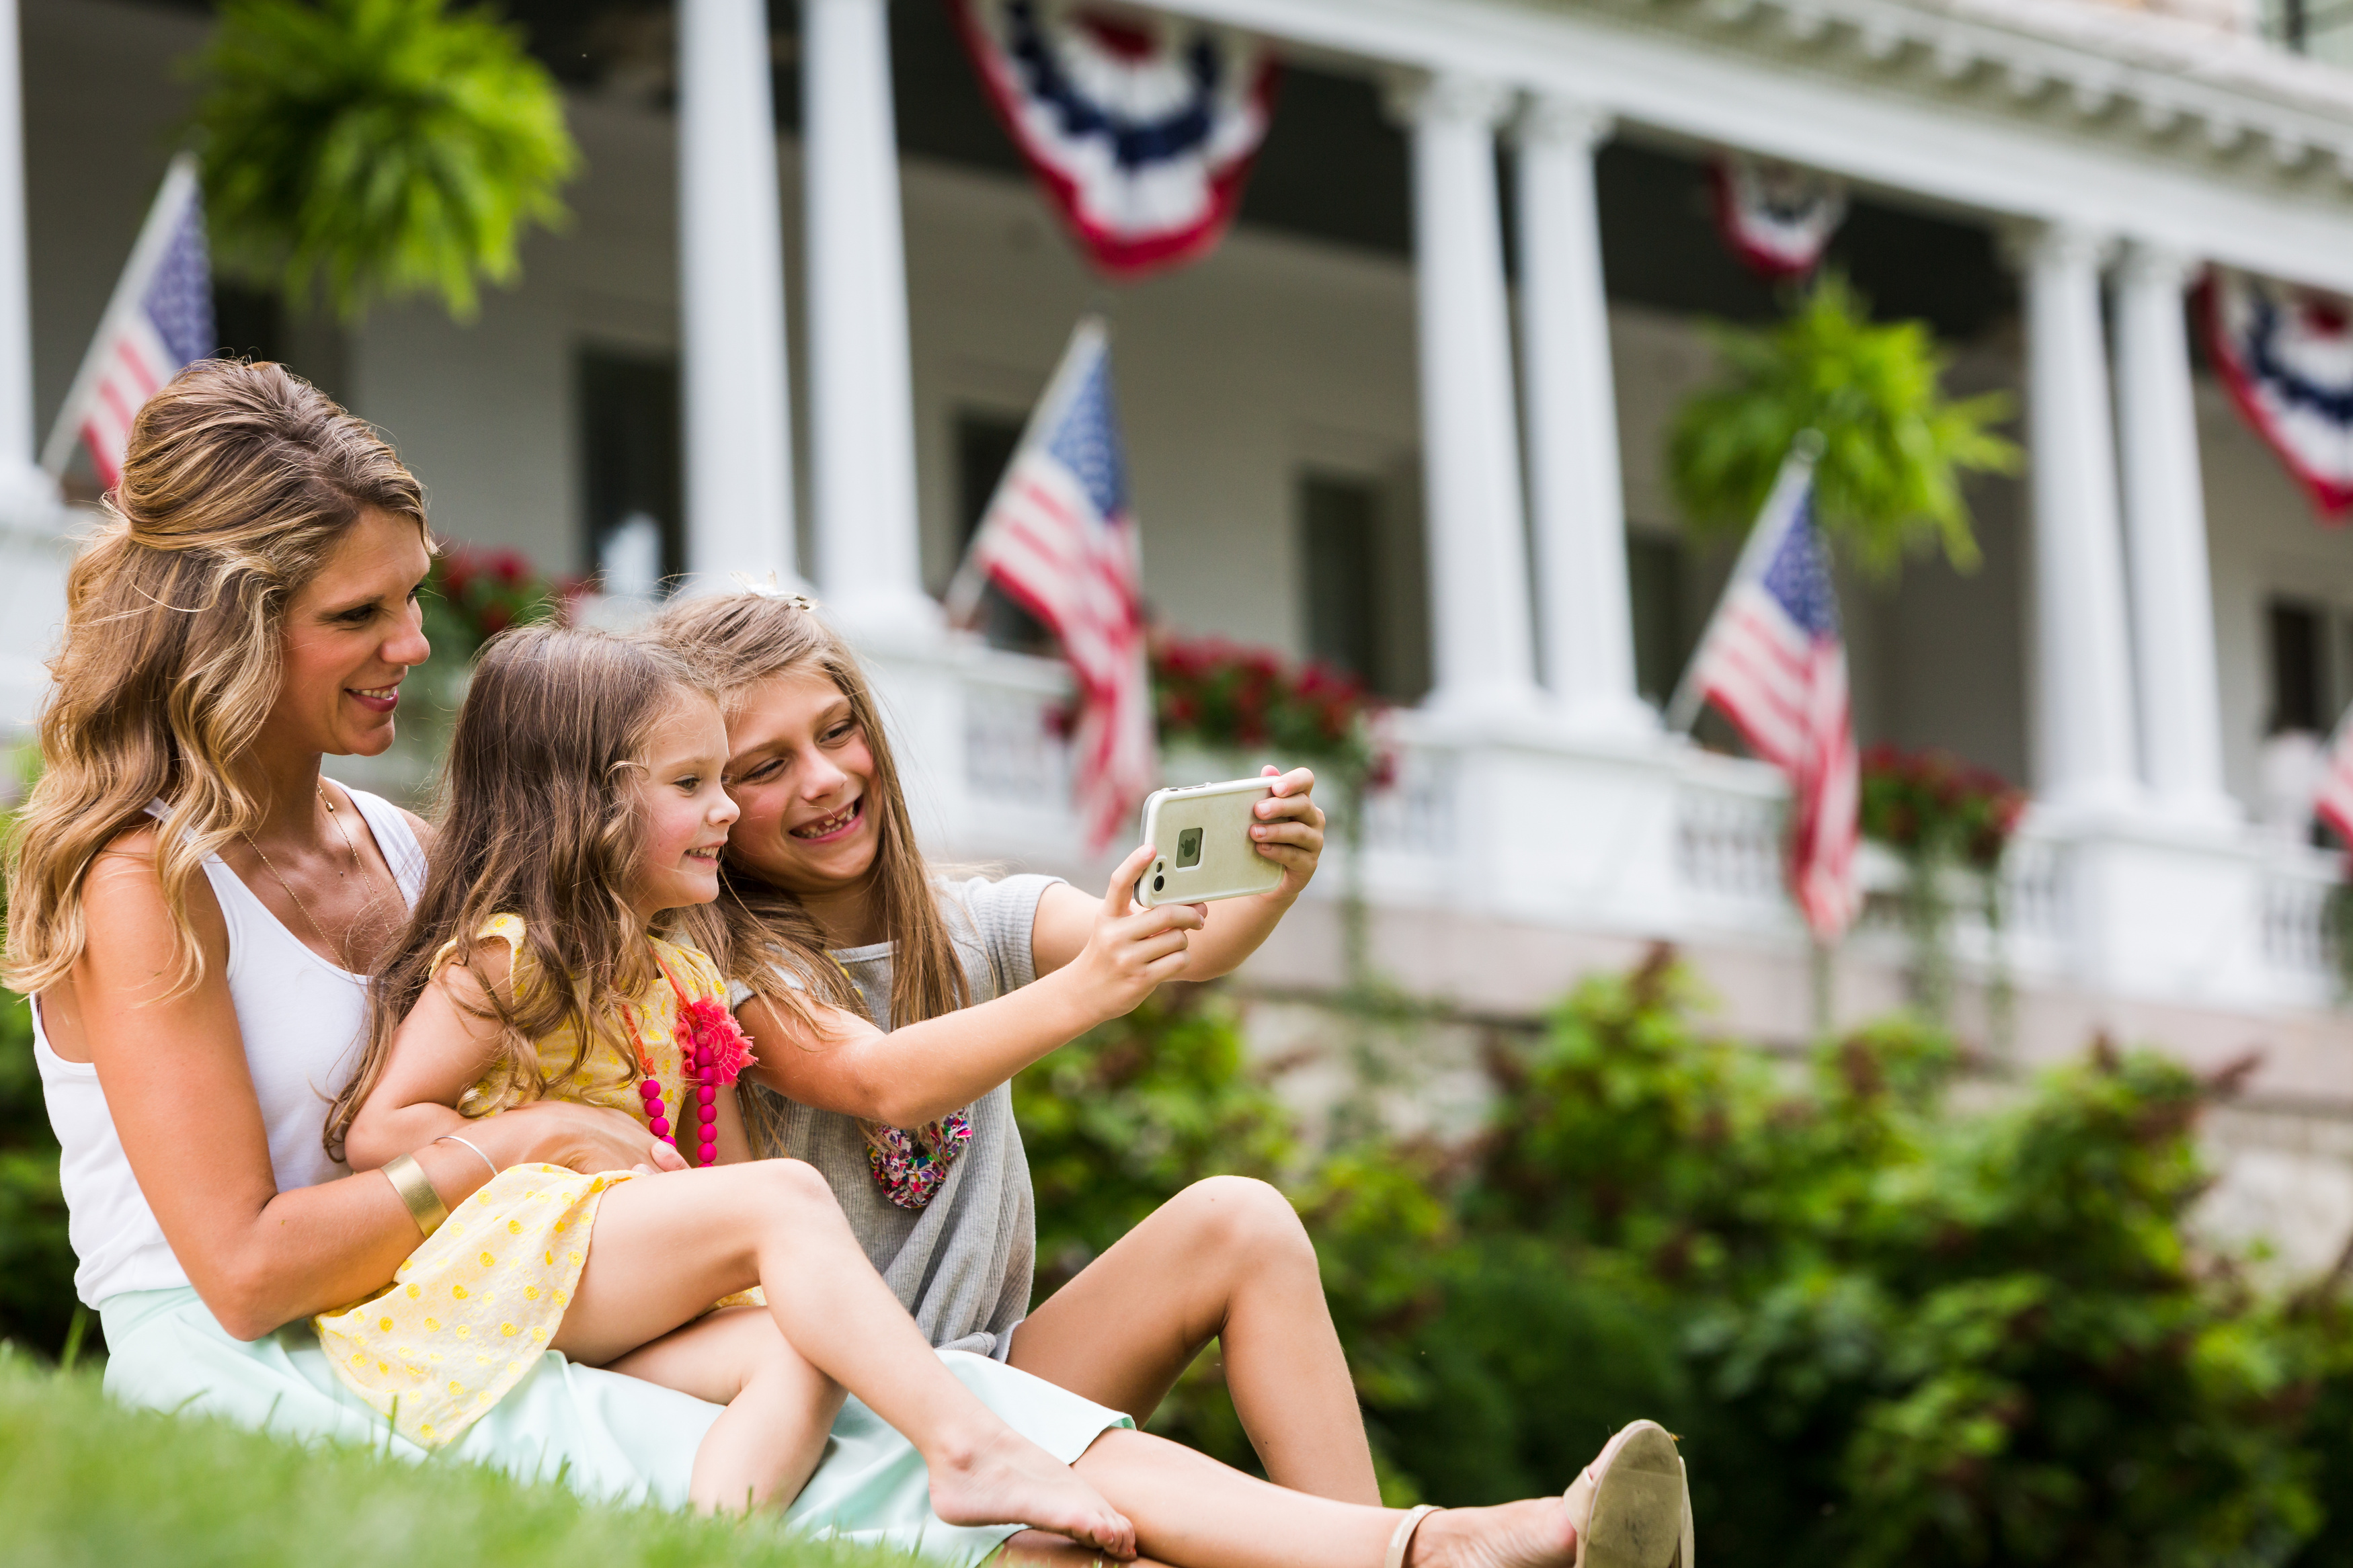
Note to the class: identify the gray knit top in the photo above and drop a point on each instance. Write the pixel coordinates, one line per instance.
(962, 1264)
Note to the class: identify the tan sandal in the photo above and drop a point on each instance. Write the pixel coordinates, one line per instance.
(1631, 1506)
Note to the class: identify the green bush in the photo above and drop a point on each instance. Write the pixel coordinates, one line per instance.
(36, 1263)
(1888, 1330)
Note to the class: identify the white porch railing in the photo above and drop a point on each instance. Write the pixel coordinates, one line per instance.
(1659, 840)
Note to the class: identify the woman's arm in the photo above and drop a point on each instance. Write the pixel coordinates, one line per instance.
(183, 1104)
(1289, 832)
(919, 1073)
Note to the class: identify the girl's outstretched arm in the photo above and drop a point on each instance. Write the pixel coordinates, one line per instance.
(925, 1070)
(1289, 831)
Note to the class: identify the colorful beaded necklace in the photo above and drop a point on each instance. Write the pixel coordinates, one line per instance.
(712, 1053)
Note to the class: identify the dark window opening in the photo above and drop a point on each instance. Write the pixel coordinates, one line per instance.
(1338, 522)
(985, 444)
(1663, 638)
(2299, 650)
(1362, 584)
(634, 531)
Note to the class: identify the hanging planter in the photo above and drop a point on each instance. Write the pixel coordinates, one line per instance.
(2286, 357)
(1894, 447)
(375, 150)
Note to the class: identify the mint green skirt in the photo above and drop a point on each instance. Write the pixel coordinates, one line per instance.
(606, 1436)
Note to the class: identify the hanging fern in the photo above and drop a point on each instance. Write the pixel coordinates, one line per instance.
(366, 149)
(1894, 447)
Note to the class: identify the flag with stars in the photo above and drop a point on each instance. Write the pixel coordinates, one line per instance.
(160, 320)
(1772, 662)
(1058, 539)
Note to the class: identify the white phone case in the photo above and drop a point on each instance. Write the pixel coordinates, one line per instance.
(1202, 835)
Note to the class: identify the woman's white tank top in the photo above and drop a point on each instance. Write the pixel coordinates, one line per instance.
(302, 1020)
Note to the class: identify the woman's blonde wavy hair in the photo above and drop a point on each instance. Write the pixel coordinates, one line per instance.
(735, 642)
(239, 482)
(538, 816)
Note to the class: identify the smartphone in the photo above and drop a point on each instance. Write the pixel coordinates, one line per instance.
(1201, 833)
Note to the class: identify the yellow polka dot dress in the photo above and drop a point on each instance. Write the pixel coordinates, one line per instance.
(476, 1305)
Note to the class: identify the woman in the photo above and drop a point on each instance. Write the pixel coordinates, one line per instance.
(248, 608)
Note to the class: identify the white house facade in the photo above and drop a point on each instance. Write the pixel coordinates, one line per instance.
(807, 293)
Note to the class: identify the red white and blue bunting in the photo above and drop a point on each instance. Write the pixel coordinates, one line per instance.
(1776, 217)
(1141, 126)
(2287, 355)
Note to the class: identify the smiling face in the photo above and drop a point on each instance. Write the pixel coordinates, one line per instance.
(798, 765)
(349, 634)
(683, 809)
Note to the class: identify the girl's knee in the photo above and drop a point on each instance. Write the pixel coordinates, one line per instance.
(1245, 1216)
(795, 1184)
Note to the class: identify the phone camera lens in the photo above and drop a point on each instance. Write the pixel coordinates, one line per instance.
(1158, 883)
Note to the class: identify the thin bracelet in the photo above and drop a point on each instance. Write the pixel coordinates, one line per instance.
(416, 1189)
(485, 1159)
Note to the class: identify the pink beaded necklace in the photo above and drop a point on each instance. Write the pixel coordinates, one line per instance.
(712, 1053)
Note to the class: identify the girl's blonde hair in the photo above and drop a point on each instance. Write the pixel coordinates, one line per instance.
(239, 482)
(538, 817)
(735, 642)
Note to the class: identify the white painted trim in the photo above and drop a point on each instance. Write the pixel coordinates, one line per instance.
(1978, 150)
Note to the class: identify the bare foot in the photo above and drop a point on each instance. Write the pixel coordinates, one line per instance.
(1009, 1479)
(1535, 1533)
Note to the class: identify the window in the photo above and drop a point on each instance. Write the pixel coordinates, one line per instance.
(255, 324)
(1339, 519)
(634, 531)
(2301, 698)
(1363, 580)
(985, 444)
(1662, 639)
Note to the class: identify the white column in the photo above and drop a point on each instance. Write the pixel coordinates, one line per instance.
(2083, 675)
(21, 479)
(739, 462)
(1583, 610)
(2165, 540)
(1470, 460)
(862, 402)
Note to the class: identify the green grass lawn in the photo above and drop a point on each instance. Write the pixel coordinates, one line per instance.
(85, 1482)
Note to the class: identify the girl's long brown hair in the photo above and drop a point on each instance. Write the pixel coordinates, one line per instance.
(239, 483)
(735, 642)
(538, 818)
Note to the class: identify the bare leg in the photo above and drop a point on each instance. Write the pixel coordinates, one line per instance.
(1225, 1260)
(1191, 1511)
(765, 1446)
(666, 1246)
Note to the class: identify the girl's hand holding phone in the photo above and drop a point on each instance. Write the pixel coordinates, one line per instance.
(1289, 829)
(1130, 952)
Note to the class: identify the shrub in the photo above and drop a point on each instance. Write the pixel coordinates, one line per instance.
(1887, 1329)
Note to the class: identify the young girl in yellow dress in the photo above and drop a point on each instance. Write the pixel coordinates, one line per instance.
(551, 954)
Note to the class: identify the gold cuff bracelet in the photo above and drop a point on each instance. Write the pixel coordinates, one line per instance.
(416, 1189)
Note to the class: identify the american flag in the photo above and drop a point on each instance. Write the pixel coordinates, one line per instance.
(2332, 803)
(1058, 539)
(1772, 662)
(160, 319)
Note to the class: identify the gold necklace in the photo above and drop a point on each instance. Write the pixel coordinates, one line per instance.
(342, 952)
